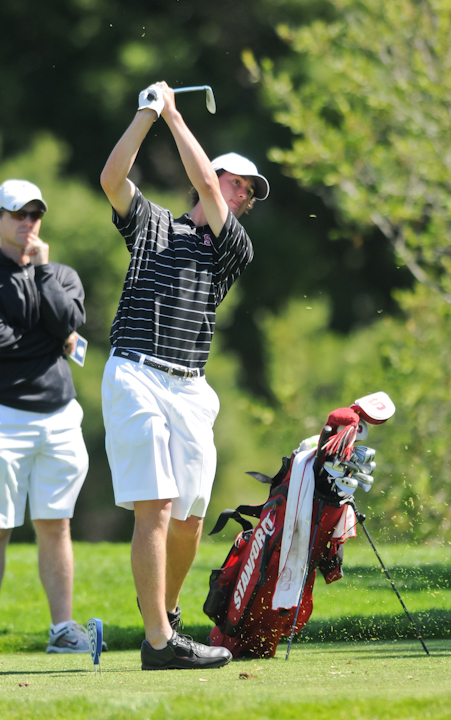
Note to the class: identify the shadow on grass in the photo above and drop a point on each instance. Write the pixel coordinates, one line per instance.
(52, 673)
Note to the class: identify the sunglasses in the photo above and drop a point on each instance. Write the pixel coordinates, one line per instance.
(20, 215)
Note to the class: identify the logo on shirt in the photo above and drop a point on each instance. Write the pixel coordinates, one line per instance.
(207, 240)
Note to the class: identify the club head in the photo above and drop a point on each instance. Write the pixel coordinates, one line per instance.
(364, 454)
(334, 468)
(364, 481)
(368, 468)
(347, 481)
(347, 484)
(210, 98)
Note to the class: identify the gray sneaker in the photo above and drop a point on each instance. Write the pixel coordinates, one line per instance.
(72, 638)
(182, 653)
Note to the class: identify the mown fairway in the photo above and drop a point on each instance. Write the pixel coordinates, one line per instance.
(360, 678)
(377, 680)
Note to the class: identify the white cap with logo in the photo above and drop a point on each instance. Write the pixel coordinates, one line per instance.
(239, 165)
(14, 194)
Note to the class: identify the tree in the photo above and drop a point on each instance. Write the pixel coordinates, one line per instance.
(371, 123)
(75, 72)
(368, 110)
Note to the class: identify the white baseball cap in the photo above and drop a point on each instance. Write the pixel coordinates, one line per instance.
(239, 165)
(14, 194)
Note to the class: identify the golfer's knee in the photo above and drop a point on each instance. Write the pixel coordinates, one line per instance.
(52, 529)
(152, 513)
(191, 527)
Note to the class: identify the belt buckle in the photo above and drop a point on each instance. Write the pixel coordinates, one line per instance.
(181, 373)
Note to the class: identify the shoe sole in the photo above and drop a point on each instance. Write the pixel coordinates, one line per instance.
(220, 662)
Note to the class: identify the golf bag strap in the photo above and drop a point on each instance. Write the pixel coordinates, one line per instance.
(278, 477)
(226, 515)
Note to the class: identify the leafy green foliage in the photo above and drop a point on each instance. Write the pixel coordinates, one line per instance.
(368, 115)
(76, 75)
(363, 93)
(370, 126)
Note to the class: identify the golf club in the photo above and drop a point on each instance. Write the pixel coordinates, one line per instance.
(365, 481)
(210, 98)
(364, 454)
(360, 519)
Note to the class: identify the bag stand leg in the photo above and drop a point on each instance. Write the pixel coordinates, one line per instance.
(304, 578)
(361, 518)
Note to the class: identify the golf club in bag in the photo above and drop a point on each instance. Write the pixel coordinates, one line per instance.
(263, 590)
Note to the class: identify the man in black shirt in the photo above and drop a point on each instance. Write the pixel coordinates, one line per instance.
(158, 408)
(42, 453)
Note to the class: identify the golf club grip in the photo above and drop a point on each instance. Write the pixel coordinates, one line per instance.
(152, 95)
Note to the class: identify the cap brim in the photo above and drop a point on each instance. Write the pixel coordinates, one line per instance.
(261, 187)
(41, 202)
(44, 205)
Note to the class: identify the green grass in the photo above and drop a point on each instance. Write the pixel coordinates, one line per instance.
(366, 677)
(360, 606)
(344, 680)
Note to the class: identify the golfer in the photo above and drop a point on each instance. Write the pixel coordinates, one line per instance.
(42, 453)
(158, 407)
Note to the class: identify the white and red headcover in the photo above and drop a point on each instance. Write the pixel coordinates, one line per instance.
(375, 409)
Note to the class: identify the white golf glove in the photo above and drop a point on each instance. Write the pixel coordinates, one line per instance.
(154, 102)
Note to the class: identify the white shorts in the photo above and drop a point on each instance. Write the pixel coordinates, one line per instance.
(159, 437)
(42, 455)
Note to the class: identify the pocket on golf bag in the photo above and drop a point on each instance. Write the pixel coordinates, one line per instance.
(331, 563)
(222, 580)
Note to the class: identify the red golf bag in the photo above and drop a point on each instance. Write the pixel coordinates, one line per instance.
(241, 591)
(239, 600)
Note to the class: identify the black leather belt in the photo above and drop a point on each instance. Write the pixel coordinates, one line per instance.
(169, 369)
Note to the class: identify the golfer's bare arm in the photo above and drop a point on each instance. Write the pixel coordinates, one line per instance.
(115, 183)
(197, 165)
(120, 190)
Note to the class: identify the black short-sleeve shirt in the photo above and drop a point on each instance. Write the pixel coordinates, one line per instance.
(178, 275)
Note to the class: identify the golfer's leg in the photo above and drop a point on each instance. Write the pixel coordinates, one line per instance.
(183, 542)
(56, 566)
(149, 567)
(4, 540)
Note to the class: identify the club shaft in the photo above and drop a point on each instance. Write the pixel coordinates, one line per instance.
(393, 584)
(192, 88)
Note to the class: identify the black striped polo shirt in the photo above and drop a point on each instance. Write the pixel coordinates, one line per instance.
(178, 275)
